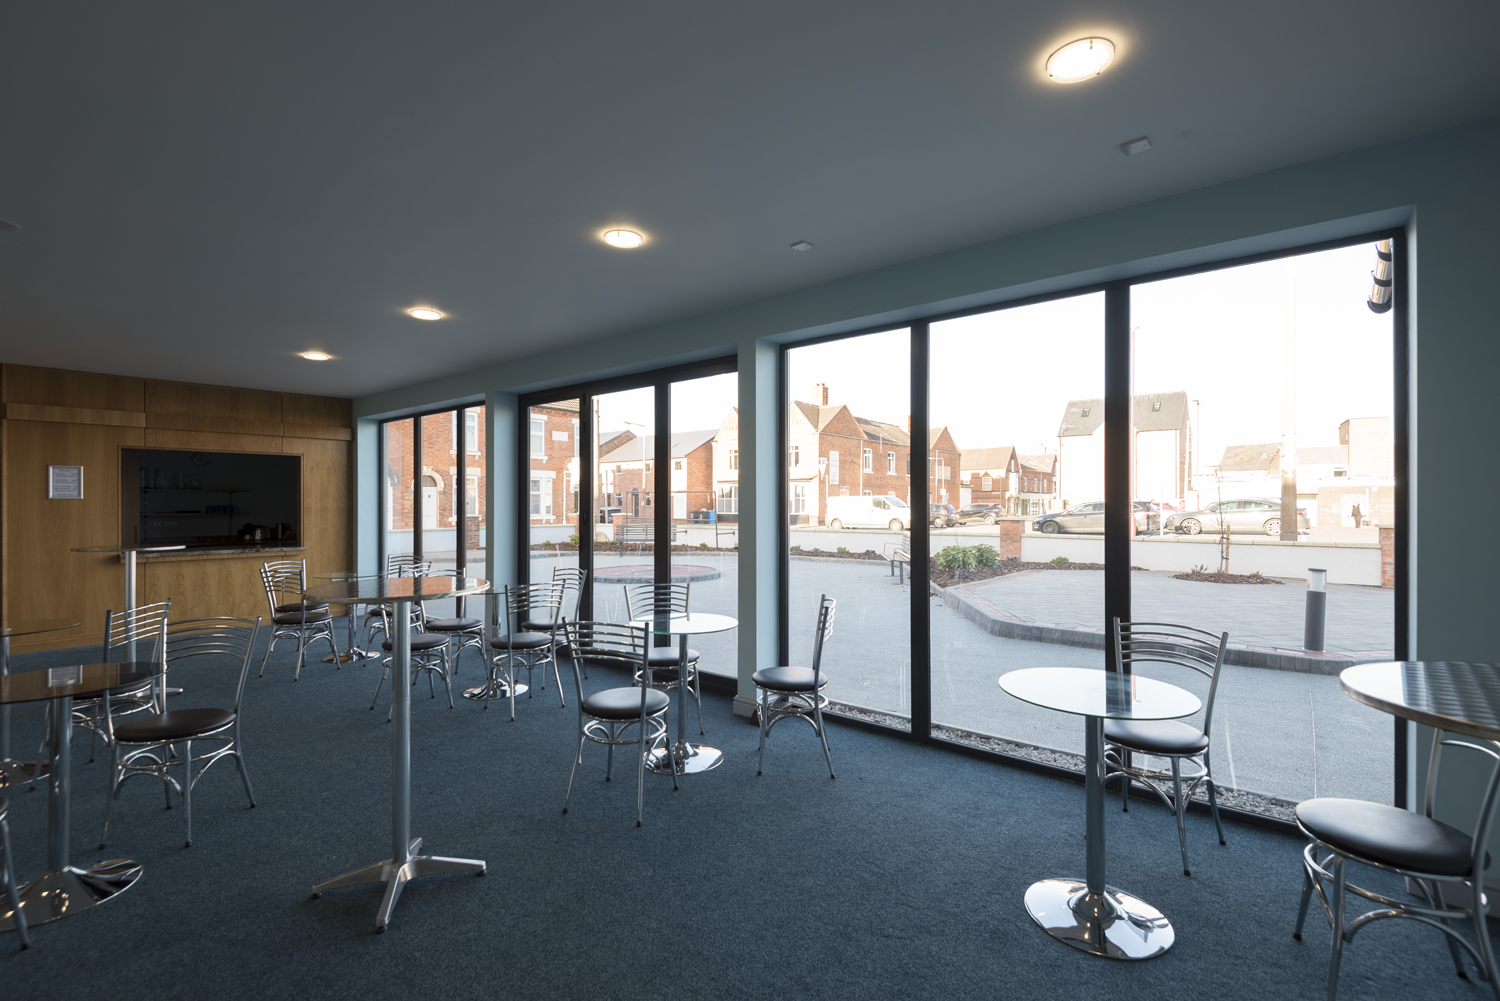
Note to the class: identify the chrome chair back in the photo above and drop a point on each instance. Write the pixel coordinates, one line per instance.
(291, 615)
(405, 565)
(1140, 643)
(606, 717)
(430, 651)
(643, 601)
(147, 745)
(135, 634)
(1430, 855)
(797, 692)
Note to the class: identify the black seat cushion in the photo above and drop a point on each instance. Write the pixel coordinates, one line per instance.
(542, 625)
(297, 618)
(522, 641)
(667, 656)
(179, 724)
(297, 606)
(624, 703)
(419, 641)
(1162, 736)
(1387, 835)
(452, 625)
(788, 679)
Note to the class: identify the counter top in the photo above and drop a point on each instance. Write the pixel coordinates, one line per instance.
(254, 549)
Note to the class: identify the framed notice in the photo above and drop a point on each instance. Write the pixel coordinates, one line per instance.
(65, 483)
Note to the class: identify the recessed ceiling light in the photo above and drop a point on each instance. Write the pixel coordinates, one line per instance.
(625, 239)
(1080, 60)
(426, 313)
(316, 355)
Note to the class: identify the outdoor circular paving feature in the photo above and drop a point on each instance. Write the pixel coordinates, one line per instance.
(644, 573)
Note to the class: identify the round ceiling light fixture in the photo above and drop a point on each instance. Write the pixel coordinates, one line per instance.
(624, 239)
(1079, 60)
(425, 313)
(316, 355)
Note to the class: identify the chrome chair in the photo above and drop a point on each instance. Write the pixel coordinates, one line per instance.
(135, 634)
(285, 582)
(642, 601)
(797, 692)
(516, 647)
(1430, 855)
(429, 653)
(465, 631)
(1178, 742)
(606, 717)
(572, 580)
(148, 744)
(8, 875)
(395, 566)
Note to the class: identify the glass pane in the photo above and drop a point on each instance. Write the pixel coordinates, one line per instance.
(399, 499)
(474, 486)
(439, 483)
(1018, 545)
(849, 515)
(625, 508)
(1263, 427)
(705, 507)
(552, 489)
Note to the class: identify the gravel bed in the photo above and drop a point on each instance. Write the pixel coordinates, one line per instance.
(1227, 578)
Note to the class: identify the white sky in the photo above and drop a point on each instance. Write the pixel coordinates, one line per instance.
(1002, 378)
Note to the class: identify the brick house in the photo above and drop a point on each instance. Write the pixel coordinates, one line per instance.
(442, 497)
(623, 459)
(552, 451)
(1020, 484)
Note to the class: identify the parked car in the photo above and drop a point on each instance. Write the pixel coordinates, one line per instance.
(869, 512)
(1088, 519)
(606, 514)
(942, 516)
(977, 513)
(1250, 514)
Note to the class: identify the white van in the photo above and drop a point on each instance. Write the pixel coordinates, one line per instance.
(869, 512)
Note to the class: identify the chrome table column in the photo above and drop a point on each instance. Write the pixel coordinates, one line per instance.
(67, 889)
(405, 864)
(686, 758)
(350, 619)
(1089, 914)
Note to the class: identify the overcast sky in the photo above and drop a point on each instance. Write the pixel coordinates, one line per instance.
(1237, 340)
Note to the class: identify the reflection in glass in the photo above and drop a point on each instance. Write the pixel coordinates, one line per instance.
(625, 479)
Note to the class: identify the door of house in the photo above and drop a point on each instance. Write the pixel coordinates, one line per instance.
(429, 503)
(679, 506)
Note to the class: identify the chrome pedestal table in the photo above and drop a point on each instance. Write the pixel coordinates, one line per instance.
(14, 772)
(67, 889)
(355, 653)
(1089, 914)
(405, 864)
(687, 758)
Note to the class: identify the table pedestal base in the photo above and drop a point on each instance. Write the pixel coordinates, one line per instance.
(1113, 923)
(350, 657)
(494, 692)
(395, 877)
(68, 891)
(686, 759)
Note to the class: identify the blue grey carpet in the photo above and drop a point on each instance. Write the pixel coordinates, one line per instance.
(903, 879)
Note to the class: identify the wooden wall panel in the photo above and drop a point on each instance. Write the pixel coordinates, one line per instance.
(211, 441)
(326, 503)
(223, 425)
(60, 388)
(74, 415)
(207, 585)
(212, 401)
(324, 411)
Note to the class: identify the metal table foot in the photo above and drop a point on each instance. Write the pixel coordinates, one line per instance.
(1113, 923)
(70, 890)
(491, 693)
(395, 877)
(686, 759)
(351, 657)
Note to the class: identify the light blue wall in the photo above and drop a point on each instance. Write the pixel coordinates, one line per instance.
(1442, 186)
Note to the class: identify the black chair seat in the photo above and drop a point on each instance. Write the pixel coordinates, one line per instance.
(1387, 835)
(542, 625)
(788, 679)
(667, 656)
(179, 724)
(298, 606)
(452, 625)
(297, 618)
(1165, 737)
(521, 641)
(624, 703)
(419, 641)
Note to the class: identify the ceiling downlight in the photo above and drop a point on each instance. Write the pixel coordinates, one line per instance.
(1079, 60)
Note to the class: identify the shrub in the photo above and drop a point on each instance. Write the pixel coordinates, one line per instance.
(573, 540)
(702, 545)
(796, 549)
(956, 558)
(843, 549)
(1059, 559)
(986, 556)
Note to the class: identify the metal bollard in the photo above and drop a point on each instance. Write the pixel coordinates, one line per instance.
(1317, 609)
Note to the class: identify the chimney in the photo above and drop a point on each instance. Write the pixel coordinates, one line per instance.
(820, 394)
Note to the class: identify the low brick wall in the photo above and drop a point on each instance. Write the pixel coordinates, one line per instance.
(1387, 556)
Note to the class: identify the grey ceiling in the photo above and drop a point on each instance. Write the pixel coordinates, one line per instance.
(204, 189)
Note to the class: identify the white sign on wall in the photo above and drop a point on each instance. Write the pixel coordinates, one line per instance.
(65, 482)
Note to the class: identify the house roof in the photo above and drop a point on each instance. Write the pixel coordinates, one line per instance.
(1044, 463)
(985, 458)
(815, 415)
(1153, 412)
(1249, 458)
(565, 406)
(881, 431)
(683, 442)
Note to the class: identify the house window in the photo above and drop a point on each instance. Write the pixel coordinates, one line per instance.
(890, 463)
(794, 457)
(1155, 406)
(1085, 411)
(989, 483)
(676, 463)
(538, 437)
(799, 498)
(471, 497)
(734, 458)
(867, 460)
(541, 497)
(942, 469)
(729, 500)
(843, 491)
(833, 468)
(867, 493)
(575, 439)
(471, 431)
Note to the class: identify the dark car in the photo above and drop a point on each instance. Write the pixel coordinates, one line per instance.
(1088, 519)
(606, 514)
(979, 513)
(942, 516)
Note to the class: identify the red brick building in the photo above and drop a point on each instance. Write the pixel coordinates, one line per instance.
(625, 459)
(443, 497)
(1021, 484)
(552, 460)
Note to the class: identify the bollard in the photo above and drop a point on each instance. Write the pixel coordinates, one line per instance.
(1317, 608)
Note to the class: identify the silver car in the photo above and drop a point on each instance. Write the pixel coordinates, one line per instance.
(1253, 514)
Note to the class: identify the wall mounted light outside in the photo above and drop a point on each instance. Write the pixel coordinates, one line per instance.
(426, 313)
(316, 355)
(1080, 60)
(624, 239)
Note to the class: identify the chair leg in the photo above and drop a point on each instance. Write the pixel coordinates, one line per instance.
(1481, 934)
(111, 795)
(762, 709)
(187, 791)
(1307, 891)
(1213, 805)
(697, 698)
(301, 652)
(1338, 928)
(384, 667)
(270, 642)
(609, 755)
(448, 676)
(640, 775)
(577, 760)
(1180, 804)
(822, 732)
(1125, 781)
(239, 761)
(8, 874)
